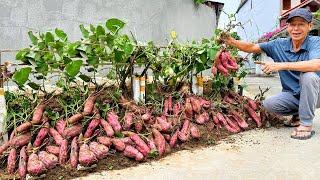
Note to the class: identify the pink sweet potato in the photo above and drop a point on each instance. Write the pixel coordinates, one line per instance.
(164, 125)
(74, 153)
(89, 105)
(188, 108)
(72, 131)
(146, 116)
(216, 120)
(165, 107)
(60, 126)
(127, 140)
(132, 152)
(12, 161)
(231, 126)
(53, 150)
(37, 115)
(118, 144)
(138, 126)
(221, 119)
(56, 136)
(174, 139)
(112, 118)
(196, 106)
(41, 135)
(140, 144)
(184, 133)
(24, 126)
(127, 121)
(107, 127)
(214, 71)
(253, 115)
(159, 141)
(252, 104)
(63, 152)
(241, 122)
(35, 166)
(152, 146)
(21, 140)
(104, 140)
(167, 137)
(177, 109)
(195, 132)
(202, 118)
(22, 170)
(94, 123)
(49, 160)
(86, 157)
(4, 147)
(75, 118)
(204, 103)
(100, 150)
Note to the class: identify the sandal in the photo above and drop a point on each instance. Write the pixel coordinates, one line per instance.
(305, 137)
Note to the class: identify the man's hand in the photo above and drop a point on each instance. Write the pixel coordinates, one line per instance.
(269, 67)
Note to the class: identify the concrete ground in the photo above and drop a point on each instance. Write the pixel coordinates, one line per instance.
(255, 154)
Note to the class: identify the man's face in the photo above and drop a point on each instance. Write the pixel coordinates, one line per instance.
(298, 28)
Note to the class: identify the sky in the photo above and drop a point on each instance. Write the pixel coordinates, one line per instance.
(230, 7)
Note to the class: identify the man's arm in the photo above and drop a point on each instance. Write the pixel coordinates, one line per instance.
(243, 46)
(302, 66)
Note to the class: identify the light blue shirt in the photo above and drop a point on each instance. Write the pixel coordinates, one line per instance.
(281, 50)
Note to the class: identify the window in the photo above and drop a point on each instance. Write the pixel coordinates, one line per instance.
(286, 4)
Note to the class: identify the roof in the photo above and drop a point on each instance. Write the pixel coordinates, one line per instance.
(242, 2)
(301, 5)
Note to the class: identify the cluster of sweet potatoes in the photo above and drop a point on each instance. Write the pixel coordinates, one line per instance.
(224, 63)
(136, 132)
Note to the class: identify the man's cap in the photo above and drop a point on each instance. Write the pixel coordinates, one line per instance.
(301, 12)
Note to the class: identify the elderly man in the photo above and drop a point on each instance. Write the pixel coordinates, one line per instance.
(297, 59)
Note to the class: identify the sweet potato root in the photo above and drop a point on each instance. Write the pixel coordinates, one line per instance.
(104, 140)
(24, 126)
(89, 105)
(159, 141)
(53, 150)
(72, 131)
(100, 150)
(56, 136)
(4, 147)
(195, 132)
(132, 152)
(163, 124)
(12, 161)
(49, 160)
(118, 144)
(22, 170)
(196, 106)
(35, 166)
(37, 115)
(174, 139)
(86, 157)
(21, 140)
(63, 152)
(107, 127)
(60, 126)
(112, 118)
(41, 135)
(253, 115)
(202, 118)
(127, 121)
(94, 123)
(184, 133)
(252, 104)
(143, 147)
(75, 118)
(74, 154)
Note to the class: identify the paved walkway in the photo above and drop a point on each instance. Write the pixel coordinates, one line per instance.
(256, 154)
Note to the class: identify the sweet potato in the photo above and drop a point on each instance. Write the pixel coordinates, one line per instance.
(152, 146)
(253, 115)
(140, 144)
(12, 161)
(24, 126)
(49, 160)
(107, 127)
(221, 119)
(162, 123)
(127, 121)
(104, 140)
(216, 121)
(94, 123)
(60, 126)
(86, 157)
(72, 131)
(132, 152)
(37, 115)
(177, 109)
(167, 137)
(89, 105)
(237, 117)
(56, 136)
(252, 104)
(184, 133)
(159, 141)
(233, 124)
(4, 147)
(214, 71)
(202, 118)
(21, 140)
(63, 152)
(222, 70)
(188, 108)
(118, 144)
(174, 139)
(127, 140)
(165, 107)
(53, 150)
(204, 103)
(196, 106)
(22, 170)
(138, 126)
(75, 118)
(35, 166)
(100, 150)
(41, 135)
(74, 153)
(195, 132)
(232, 63)
(112, 118)
(146, 116)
